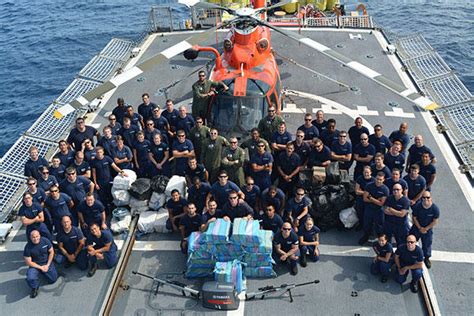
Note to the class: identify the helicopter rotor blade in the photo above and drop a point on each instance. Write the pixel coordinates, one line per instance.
(409, 94)
(132, 73)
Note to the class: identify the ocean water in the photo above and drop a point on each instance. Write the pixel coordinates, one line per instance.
(44, 44)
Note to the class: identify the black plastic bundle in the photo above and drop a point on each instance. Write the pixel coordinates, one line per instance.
(159, 183)
(333, 176)
(141, 189)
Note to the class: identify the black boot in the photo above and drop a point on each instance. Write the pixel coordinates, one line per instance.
(92, 270)
(303, 260)
(34, 293)
(414, 287)
(427, 263)
(364, 239)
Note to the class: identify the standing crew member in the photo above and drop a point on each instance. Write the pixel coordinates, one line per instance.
(198, 134)
(183, 149)
(203, 90)
(211, 155)
(425, 217)
(80, 133)
(409, 257)
(416, 184)
(396, 220)
(270, 123)
(39, 254)
(32, 216)
(261, 166)
(233, 158)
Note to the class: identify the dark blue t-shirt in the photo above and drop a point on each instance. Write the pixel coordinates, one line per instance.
(281, 139)
(199, 172)
(382, 251)
(261, 160)
(316, 158)
(390, 183)
(92, 214)
(159, 151)
(286, 243)
(385, 170)
(320, 126)
(242, 209)
(427, 171)
(182, 162)
(329, 137)
(31, 212)
(146, 110)
(376, 192)
(109, 145)
(176, 208)
(309, 132)
(125, 152)
(415, 153)
(38, 253)
(58, 208)
(198, 196)
(382, 144)
(309, 235)
(103, 169)
(185, 124)
(401, 204)
(45, 184)
(129, 134)
(191, 224)
(82, 168)
(355, 132)
(296, 208)
(363, 152)
(39, 196)
(142, 148)
(171, 117)
(415, 186)
(394, 161)
(344, 149)
(276, 201)
(425, 215)
(76, 138)
(161, 123)
(58, 172)
(274, 224)
(70, 240)
(206, 216)
(105, 238)
(303, 151)
(251, 196)
(403, 138)
(66, 159)
(32, 168)
(408, 258)
(288, 164)
(221, 193)
(77, 190)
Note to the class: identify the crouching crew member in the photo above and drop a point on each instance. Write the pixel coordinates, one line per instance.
(383, 257)
(101, 246)
(409, 257)
(286, 247)
(309, 241)
(425, 217)
(190, 222)
(297, 209)
(71, 243)
(39, 254)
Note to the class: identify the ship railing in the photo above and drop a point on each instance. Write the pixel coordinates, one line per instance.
(437, 81)
(330, 21)
(46, 131)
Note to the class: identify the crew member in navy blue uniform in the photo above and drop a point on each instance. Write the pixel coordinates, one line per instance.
(236, 208)
(120, 110)
(39, 196)
(46, 180)
(427, 170)
(190, 222)
(402, 136)
(80, 133)
(32, 216)
(39, 254)
(146, 108)
(288, 169)
(262, 165)
(286, 247)
(82, 167)
(108, 141)
(396, 215)
(409, 257)
(88, 150)
(34, 164)
(302, 148)
(310, 131)
(320, 155)
(383, 259)
(114, 125)
(394, 179)
(183, 149)
(91, 211)
(394, 158)
(129, 132)
(211, 214)
(159, 157)
(416, 151)
(197, 193)
(309, 241)
(341, 151)
(76, 187)
(101, 246)
(252, 195)
(195, 169)
(381, 142)
(161, 123)
(425, 217)
(66, 154)
(360, 185)
(363, 154)
(297, 209)
(176, 207)
(122, 154)
(150, 130)
(135, 118)
(221, 189)
(374, 197)
(320, 123)
(416, 184)
(59, 205)
(356, 131)
(71, 244)
(141, 159)
(57, 169)
(273, 196)
(171, 115)
(278, 143)
(378, 166)
(330, 134)
(184, 121)
(271, 220)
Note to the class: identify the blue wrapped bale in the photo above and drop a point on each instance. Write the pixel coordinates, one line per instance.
(264, 246)
(217, 232)
(258, 260)
(246, 232)
(260, 272)
(231, 272)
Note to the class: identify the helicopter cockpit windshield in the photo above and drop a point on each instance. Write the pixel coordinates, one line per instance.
(240, 114)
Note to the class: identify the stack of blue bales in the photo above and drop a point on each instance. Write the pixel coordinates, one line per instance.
(247, 243)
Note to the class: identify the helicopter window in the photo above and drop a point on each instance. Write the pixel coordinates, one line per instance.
(256, 87)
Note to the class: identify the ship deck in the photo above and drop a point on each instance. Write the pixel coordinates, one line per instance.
(344, 266)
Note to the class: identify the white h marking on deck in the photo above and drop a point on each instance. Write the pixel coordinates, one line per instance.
(398, 112)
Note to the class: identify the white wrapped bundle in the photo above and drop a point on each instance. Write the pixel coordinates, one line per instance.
(349, 217)
(146, 222)
(119, 226)
(121, 197)
(178, 183)
(157, 200)
(137, 206)
(124, 183)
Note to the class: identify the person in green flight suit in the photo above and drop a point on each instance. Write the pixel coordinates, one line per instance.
(211, 154)
(233, 162)
(270, 123)
(203, 90)
(198, 134)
